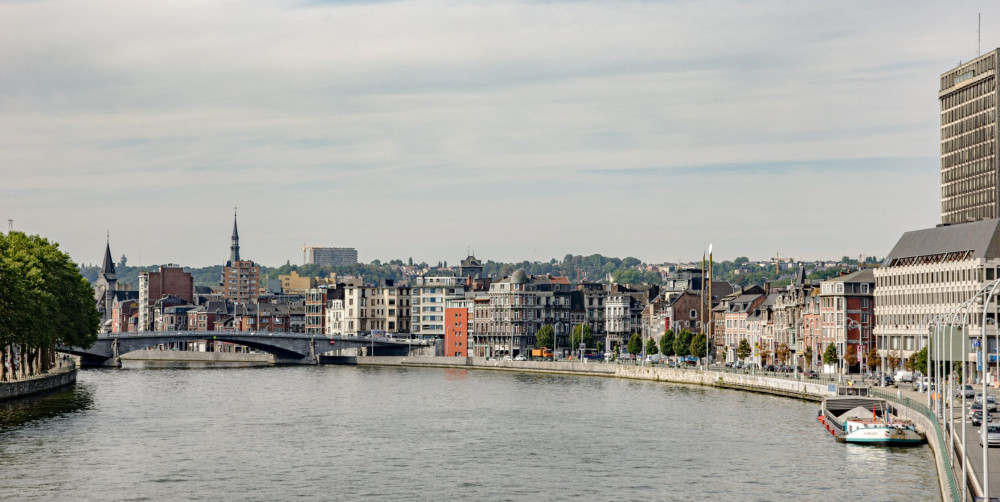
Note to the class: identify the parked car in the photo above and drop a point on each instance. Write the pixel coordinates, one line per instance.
(967, 390)
(887, 381)
(992, 436)
(520, 357)
(811, 374)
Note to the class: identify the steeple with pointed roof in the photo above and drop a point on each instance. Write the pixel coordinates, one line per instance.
(234, 248)
(108, 268)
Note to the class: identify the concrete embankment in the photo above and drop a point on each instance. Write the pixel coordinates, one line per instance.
(740, 381)
(56, 377)
(174, 358)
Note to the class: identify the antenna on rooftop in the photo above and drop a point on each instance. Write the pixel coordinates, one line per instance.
(10, 226)
(979, 35)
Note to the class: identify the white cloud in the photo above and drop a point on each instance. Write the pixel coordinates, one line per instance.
(390, 125)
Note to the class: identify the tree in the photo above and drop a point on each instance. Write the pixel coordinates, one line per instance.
(682, 344)
(830, 354)
(743, 350)
(698, 347)
(764, 355)
(588, 336)
(635, 344)
(544, 336)
(808, 354)
(782, 353)
(651, 347)
(44, 300)
(892, 360)
(667, 343)
(920, 361)
(873, 359)
(851, 358)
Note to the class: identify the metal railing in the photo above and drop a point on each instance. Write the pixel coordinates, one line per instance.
(927, 413)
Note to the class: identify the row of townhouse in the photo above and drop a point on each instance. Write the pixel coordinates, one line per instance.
(803, 318)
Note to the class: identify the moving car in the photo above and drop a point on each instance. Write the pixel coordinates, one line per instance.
(977, 418)
(967, 390)
(992, 436)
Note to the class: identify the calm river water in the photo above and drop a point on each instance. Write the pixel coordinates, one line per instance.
(348, 433)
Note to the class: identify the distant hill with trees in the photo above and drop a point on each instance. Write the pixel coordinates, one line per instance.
(595, 267)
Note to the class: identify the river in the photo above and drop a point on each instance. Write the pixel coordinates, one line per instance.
(384, 433)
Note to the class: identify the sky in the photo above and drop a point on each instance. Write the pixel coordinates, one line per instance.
(520, 130)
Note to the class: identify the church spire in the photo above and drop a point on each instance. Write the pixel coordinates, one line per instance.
(234, 248)
(109, 265)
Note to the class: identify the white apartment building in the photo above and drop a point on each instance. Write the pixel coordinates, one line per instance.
(383, 309)
(932, 272)
(429, 296)
(334, 318)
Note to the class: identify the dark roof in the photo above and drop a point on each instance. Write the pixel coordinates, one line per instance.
(109, 265)
(978, 239)
(866, 275)
(519, 277)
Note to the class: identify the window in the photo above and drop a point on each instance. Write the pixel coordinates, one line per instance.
(694, 313)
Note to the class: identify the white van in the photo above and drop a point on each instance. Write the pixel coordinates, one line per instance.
(903, 376)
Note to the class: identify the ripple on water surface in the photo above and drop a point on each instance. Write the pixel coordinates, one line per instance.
(319, 433)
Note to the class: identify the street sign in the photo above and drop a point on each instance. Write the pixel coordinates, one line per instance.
(975, 342)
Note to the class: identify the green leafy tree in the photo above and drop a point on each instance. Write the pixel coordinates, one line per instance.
(743, 350)
(682, 344)
(44, 300)
(830, 355)
(667, 343)
(651, 347)
(544, 336)
(588, 336)
(698, 346)
(635, 344)
(920, 361)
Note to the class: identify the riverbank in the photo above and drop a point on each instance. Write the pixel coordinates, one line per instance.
(58, 377)
(785, 387)
(175, 358)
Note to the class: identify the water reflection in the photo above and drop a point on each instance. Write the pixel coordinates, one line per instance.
(18, 412)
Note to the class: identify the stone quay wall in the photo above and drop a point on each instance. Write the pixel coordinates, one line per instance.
(54, 379)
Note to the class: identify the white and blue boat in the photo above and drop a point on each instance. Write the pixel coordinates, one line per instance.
(861, 419)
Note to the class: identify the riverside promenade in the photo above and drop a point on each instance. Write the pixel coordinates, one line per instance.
(907, 403)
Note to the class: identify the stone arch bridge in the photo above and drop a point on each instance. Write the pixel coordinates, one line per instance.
(287, 348)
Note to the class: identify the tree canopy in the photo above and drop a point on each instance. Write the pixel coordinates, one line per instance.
(830, 354)
(635, 344)
(651, 347)
(667, 343)
(544, 336)
(699, 345)
(44, 300)
(588, 336)
(743, 350)
(682, 344)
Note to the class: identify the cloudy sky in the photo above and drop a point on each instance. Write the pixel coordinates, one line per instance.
(519, 129)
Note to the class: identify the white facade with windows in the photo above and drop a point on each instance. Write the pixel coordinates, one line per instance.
(931, 273)
(430, 296)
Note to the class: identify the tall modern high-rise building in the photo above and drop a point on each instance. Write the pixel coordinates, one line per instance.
(969, 163)
(329, 256)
